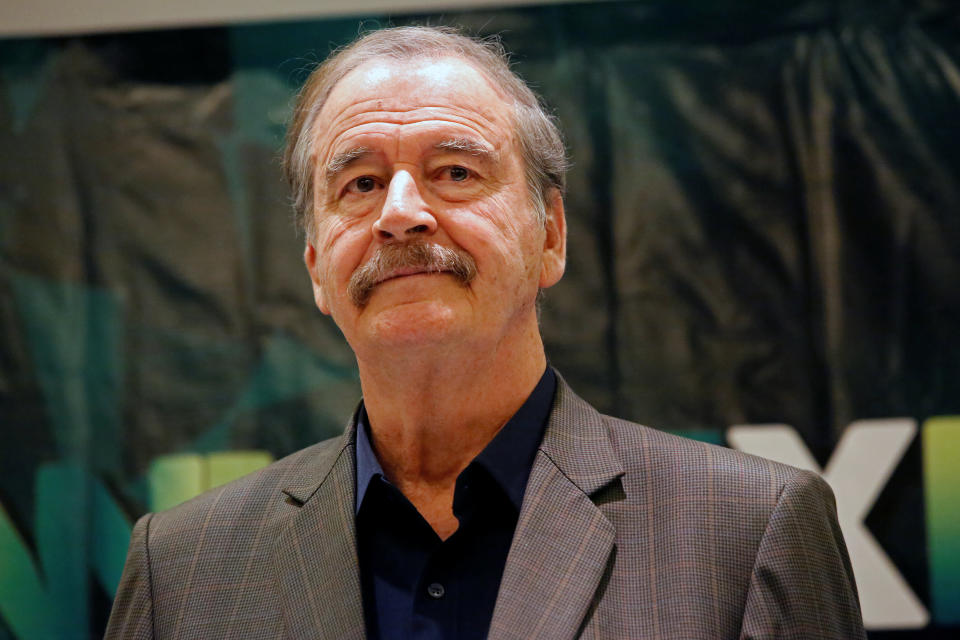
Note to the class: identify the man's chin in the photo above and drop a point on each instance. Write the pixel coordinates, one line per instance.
(411, 323)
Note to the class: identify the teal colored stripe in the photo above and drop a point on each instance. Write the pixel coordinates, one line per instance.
(713, 436)
(24, 605)
(941, 470)
(111, 537)
(75, 337)
(78, 525)
(63, 507)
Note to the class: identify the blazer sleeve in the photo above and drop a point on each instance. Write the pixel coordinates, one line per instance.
(132, 614)
(802, 583)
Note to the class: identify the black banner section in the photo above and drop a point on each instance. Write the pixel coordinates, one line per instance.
(763, 229)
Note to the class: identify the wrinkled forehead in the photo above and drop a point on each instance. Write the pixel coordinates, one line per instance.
(415, 86)
(428, 69)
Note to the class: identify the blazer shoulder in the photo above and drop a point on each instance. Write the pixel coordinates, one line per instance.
(591, 448)
(689, 463)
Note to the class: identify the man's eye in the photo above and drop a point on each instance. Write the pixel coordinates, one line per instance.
(363, 184)
(459, 174)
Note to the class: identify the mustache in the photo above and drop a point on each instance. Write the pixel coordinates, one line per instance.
(426, 257)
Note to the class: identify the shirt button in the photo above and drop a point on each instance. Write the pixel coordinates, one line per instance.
(435, 590)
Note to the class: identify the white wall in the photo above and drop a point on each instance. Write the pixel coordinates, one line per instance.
(58, 17)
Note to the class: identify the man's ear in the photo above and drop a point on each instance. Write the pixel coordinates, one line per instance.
(310, 259)
(554, 241)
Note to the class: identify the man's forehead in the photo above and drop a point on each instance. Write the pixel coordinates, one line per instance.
(382, 96)
(405, 85)
(426, 69)
(379, 71)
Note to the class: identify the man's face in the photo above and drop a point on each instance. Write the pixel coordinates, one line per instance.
(424, 151)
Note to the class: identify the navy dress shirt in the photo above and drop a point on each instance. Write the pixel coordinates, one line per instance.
(416, 585)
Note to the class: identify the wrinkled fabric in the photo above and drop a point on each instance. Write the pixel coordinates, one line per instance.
(762, 214)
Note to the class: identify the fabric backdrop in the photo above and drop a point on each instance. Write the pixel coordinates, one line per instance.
(763, 228)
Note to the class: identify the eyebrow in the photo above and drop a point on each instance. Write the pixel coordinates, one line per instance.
(468, 146)
(339, 163)
(342, 160)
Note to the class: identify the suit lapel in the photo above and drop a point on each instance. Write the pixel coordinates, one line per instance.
(560, 551)
(315, 556)
(563, 543)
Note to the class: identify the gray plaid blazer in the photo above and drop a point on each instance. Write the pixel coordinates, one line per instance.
(625, 532)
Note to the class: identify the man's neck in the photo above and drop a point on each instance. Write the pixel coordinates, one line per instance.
(431, 416)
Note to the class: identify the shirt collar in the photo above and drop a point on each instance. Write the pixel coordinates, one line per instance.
(508, 458)
(368, 467)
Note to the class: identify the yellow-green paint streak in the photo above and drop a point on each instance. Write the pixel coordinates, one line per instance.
(941, 479)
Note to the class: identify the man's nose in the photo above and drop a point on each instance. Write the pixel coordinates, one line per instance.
(404, 213)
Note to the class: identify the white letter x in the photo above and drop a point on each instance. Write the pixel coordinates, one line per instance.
(858, 470)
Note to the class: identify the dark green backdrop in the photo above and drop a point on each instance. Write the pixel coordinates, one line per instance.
(763, 217)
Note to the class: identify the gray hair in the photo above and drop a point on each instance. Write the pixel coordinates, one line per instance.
(541, 145)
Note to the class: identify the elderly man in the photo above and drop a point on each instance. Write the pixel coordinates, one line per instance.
(473, 494)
